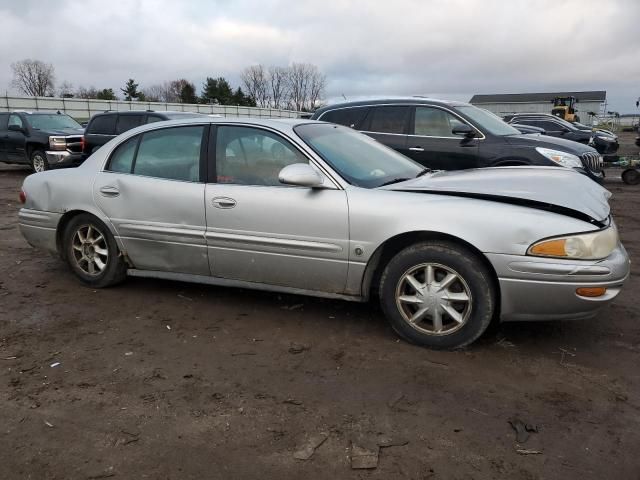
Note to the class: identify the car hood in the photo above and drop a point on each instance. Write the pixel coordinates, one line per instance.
(547, 188)
(548, 141)
(64, 131)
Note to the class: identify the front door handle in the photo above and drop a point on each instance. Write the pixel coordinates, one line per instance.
(416, 149)
(109, 191)
(223, 202)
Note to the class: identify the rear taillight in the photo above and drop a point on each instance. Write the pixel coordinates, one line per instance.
(23, 197)
(82, 144)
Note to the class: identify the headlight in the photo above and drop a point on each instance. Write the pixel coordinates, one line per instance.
(57, 143)
(582, 246)
(563, 159)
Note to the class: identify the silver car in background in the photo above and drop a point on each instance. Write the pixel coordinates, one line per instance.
(314, 208)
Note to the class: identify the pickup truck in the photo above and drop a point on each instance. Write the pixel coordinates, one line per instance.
(43, 140)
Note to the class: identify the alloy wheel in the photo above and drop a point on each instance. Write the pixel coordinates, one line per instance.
(39, 164)
(90, 250)
(433, 299)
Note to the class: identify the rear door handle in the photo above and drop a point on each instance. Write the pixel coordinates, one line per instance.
(109, 191)
(223, 202)
(416, 149)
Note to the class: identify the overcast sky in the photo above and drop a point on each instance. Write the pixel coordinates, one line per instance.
(445, 48)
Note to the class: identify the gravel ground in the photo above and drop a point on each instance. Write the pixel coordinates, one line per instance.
(164, 380)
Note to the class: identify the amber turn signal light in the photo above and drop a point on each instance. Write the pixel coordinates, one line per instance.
(591, 291)
(551, 248)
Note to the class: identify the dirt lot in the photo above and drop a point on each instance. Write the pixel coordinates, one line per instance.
(176, 381)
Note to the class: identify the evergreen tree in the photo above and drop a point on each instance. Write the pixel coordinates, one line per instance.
(130, 90)
(106, 94)
(188, 93)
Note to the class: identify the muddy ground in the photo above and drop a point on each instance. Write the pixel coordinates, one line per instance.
(163, 380)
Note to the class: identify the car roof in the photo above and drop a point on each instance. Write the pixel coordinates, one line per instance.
(39, 112)
(416, 100)
(144, 112)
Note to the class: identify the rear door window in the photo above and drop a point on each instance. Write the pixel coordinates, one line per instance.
(103, 125)
(391, 119)
(171, 153)
(349, 117)
(127, 122)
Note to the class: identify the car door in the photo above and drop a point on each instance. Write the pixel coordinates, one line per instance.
(15, 140)
(152, 191)
(4, 135)
(432, 143)
(389, 125)
(259, 230)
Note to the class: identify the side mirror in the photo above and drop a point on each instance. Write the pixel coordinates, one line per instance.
(301, 175)
(16, 128)
(464, 130)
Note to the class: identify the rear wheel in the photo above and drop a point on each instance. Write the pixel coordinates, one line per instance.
(39, 161)
(631, 176)
(92, 252)
(438, 295)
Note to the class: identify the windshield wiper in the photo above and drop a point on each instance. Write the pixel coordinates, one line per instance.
(424, 172)
(395, 180)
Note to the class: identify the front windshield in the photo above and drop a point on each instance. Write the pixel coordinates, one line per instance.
(53, 121)
(359, 159)
(487, 121)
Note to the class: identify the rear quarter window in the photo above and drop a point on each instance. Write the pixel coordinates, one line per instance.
(4, 119)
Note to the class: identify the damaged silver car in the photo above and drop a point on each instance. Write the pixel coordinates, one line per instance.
(318, 209)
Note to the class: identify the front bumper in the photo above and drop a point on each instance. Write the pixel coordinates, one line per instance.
(64, 158)
(534, 288)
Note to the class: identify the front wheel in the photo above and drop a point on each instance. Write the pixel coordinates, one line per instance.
(92, 252)
(438, 295)
(39, 161)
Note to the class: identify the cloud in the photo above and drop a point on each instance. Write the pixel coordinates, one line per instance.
(448, 47)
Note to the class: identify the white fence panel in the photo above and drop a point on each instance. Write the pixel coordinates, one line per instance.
(83, 109)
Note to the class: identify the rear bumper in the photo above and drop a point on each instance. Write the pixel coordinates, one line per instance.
(545, 289)
(39, 228)
(57, 159)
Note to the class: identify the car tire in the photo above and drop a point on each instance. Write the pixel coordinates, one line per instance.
(448, 302)
(92, 252)
(39, 161)
(631, 176)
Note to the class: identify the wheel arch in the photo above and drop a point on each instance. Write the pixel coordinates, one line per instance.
(387, 250)
(71, 214)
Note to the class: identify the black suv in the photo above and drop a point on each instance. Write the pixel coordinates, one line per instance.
(604, 143)
(447, 135)
(104, 126)
(43, 140)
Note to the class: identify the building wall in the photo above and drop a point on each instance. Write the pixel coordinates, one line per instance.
(82, 109)
(502, 109)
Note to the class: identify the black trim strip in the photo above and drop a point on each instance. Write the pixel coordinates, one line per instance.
(569, 212)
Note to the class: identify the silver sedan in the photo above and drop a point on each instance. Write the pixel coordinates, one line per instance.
(317, 209)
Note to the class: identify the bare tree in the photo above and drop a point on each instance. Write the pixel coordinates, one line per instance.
(278, 89)
(86, 92)
(155, 93)
(65, 90)
(298, 82)
(317, 84)
(255, 82)
(33, 77)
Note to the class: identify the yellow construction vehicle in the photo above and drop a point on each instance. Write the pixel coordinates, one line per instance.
(563, 107)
